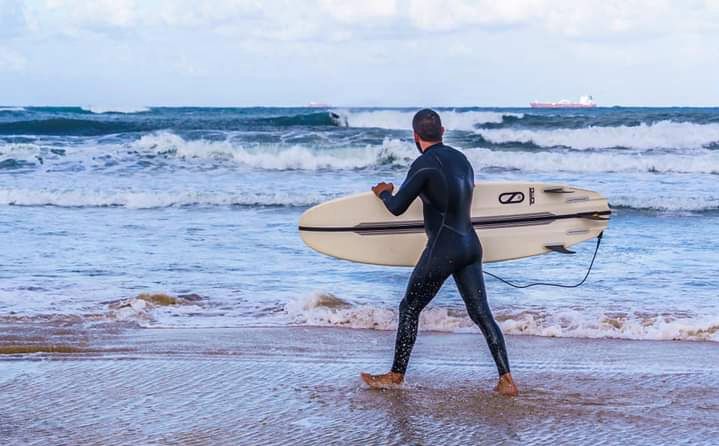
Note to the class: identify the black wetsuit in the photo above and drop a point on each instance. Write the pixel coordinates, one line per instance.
(444, 180)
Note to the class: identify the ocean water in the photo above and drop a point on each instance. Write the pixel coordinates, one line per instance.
(98, 206)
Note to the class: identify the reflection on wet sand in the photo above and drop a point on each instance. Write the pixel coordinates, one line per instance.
(301, 386)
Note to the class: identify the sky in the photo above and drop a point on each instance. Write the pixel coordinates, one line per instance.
(134, 53)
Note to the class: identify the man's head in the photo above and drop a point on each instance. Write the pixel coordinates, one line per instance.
(427, 127)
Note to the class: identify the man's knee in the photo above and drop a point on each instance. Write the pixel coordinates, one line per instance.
(411, 306)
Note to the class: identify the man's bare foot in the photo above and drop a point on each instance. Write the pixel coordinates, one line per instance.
(384, 381)
(505, 386)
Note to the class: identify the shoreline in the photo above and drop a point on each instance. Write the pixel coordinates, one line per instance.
(300, 385)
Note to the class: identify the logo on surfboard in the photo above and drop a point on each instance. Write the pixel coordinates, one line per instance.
(511, 197)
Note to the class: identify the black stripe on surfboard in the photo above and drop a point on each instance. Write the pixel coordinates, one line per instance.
(478, 222)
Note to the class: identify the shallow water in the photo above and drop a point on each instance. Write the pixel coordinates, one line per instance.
(96, 208)
(301, 386)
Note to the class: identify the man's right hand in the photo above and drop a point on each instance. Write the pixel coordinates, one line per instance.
(381, 187)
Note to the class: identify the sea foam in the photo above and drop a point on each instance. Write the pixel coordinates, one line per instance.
(320, 309)
(153, 199)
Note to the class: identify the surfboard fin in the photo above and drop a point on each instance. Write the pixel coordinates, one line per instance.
(558, 190)
(601, 216)
(559, 248)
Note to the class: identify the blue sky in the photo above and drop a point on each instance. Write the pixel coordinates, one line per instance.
(370, 52)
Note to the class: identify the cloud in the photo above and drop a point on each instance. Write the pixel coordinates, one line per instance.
(11, 61)
(351, 11)
(282, 20)
(455, 14)
(368, 52)
(12, 21)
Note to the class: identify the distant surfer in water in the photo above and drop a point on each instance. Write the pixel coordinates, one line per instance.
(444, 180)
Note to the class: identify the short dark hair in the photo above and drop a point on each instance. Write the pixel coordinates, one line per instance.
(427, 125)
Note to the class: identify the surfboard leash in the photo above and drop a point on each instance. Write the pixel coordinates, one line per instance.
(560, 285)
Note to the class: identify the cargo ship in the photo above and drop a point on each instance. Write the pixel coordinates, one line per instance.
(584, 102)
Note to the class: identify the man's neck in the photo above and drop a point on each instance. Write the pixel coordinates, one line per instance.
(425, 145)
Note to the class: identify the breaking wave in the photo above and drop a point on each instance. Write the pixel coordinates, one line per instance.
(402, 153)
(329, 310)
(659, 135)
(704, 161)
(279, 157)
(402, 120)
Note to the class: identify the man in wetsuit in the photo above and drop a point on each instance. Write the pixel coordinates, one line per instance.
(444, 180)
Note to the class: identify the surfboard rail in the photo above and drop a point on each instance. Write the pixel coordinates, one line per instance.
(512, 219)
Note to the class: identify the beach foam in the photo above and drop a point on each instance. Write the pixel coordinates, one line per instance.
(146, 308)
(180, 198)
(658, 135)
(327, 310)
(157, 199)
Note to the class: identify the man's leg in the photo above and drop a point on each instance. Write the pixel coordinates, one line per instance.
(470, 282)
(421, 289)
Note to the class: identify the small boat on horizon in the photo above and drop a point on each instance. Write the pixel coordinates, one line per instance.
(584, 102)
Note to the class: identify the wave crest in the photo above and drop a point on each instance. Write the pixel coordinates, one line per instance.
(658, 135)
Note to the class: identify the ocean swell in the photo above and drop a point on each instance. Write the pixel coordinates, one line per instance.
(402, 120)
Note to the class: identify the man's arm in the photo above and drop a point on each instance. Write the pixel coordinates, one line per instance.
(411, 187)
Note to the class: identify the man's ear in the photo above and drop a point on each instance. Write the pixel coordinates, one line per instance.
(442, 133)
(416, 137)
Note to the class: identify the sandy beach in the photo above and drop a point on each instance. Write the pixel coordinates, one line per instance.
(299, 385)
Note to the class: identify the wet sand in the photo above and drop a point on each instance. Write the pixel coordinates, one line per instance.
(256, 386)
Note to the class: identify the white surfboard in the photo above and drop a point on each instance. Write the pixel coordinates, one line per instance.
(513, 220)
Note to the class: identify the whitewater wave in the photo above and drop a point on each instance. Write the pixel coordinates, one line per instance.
(154, 199)
(658, 135)
(701, 161)
(278, 157)
(322, 309)
(163, 146)
(402, 120)
(12, 109)
(394, 152)
(97, 109)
